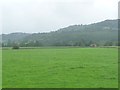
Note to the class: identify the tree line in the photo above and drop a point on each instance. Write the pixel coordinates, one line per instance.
(36, 43)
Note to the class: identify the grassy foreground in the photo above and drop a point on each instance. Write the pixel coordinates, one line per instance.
(60, 68)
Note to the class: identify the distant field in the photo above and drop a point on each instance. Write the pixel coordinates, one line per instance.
(60, 68)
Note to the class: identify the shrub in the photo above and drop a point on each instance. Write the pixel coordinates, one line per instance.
(15, 47)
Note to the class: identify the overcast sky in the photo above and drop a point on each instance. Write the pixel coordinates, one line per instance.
(33, 16)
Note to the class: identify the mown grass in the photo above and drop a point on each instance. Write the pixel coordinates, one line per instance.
(60, 68)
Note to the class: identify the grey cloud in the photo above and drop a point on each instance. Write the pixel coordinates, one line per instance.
(46, 15)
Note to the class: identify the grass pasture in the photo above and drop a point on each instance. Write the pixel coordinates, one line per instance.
(60, 68)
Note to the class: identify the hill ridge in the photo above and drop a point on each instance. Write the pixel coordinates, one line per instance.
(99, 33)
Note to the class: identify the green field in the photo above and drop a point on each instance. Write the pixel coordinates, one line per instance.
(60, 68)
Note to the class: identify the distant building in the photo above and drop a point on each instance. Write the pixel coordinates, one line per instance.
(93, 45)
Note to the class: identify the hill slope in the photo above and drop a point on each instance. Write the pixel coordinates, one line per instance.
(77, 35)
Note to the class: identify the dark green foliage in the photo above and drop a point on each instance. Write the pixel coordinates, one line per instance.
(15, 47)
(108, 43)
(76, 35)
